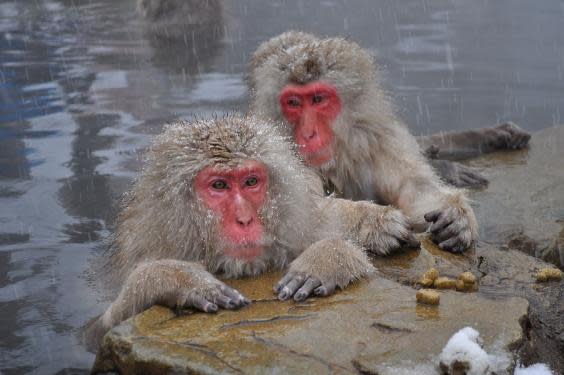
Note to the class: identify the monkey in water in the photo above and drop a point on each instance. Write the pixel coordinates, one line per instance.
(279, 62)
(327, 94)
(189, 21)
(230, 197)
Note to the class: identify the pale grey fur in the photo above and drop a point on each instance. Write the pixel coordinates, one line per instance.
(375, 157)
(167, 244)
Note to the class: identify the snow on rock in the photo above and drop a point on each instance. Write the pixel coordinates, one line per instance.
(463, 354)
(536, 369)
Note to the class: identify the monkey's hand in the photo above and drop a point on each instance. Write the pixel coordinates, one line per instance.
(381, 229)
(458, 174)
(507, 136)
(453, 227)
(172, 283)
(321, 268)
(208, 294)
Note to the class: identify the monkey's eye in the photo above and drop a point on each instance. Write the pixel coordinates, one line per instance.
(251, 181)
(316, 99)
(219, 185)
(293, 101)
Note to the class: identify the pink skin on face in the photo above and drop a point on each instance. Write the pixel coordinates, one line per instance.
(236, 195)
(311, 109)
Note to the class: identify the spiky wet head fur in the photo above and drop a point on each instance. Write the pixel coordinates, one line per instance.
(164, 219)
(366, 131)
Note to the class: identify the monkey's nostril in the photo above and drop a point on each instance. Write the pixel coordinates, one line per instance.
(245, 221)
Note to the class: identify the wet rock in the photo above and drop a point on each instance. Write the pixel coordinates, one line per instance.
(375, 326)
(367, 327)
(523, 206)
(500, 273)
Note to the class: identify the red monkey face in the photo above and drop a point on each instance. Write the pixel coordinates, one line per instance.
(311, 109)
(236, 196)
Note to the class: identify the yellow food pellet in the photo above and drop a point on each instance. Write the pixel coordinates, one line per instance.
(467, 277)
(445, 283)
(431, 274)
(426, 282)
(460, 286)
(547, 274)
(427, 296)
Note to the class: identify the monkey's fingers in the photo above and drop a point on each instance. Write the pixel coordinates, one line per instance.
(325, 289)
(445, 218)
(453, 244)
(432, 216)
(225, 302)
(470, 176)
(522, 140)
(305, 291)
(283, 281)
(239, 299)
(446, 233)
(290, 288)
(518, 137)
(473, 180)
(201, 303)
(410, 240)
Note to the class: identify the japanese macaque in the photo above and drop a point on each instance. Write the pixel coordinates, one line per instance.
(451, 145)
(230, 197)
(186, 20)
(327, 93)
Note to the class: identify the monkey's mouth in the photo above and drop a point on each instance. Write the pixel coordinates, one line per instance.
(319, 156)
(247, 252)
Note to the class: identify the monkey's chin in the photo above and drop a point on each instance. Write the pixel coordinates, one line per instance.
(319, 157)
(246, 252)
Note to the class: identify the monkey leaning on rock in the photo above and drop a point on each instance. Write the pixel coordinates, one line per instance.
(230, 197)
(327, 94)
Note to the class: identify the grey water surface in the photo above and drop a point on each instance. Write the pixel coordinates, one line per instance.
(83, 86)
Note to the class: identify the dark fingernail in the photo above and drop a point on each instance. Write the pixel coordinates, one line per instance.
(276, 288)
(320, 291)
(284, 294)
(211, 308)
(299, 297)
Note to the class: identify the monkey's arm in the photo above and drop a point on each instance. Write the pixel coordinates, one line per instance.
(471, 143)
(379, 229)
(322, 267)
(168, 282)
(404, 178)
(458, 174)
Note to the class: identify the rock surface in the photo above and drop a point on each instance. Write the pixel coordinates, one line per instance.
(376, 326)
(523, 206)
